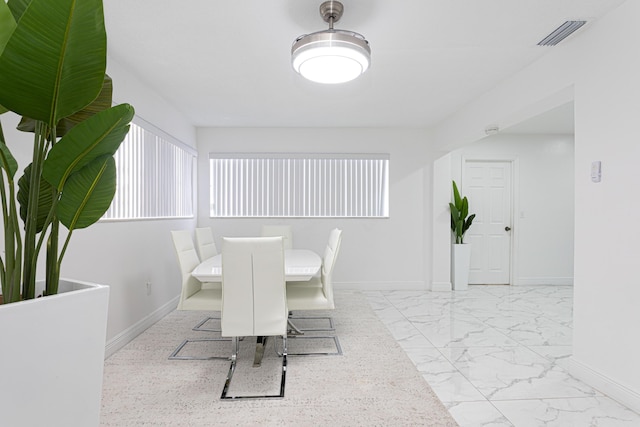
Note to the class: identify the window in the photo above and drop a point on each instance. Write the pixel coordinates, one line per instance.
(299, 185)
(154, 176)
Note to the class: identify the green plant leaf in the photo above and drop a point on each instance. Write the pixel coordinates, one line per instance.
(459, 233)
(7, 161)
(18, 7)
(464, 210)
(100, 134)
(455, 213)
(468, 222)
(459, 212)
(45, 198)
(88, 193)
(7, 25)
(102, 102)
(54, 62)
(456, 196)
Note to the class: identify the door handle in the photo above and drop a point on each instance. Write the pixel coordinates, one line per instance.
(507, 228)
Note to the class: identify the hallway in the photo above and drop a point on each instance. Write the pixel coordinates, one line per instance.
(497, 355)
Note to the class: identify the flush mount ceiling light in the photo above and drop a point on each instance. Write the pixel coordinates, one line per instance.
(331, 56)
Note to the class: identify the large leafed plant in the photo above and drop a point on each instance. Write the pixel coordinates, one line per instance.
(52, 73)
(460, 218)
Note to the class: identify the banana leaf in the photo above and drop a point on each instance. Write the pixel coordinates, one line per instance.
(45, 198)
(7, 161)
(88, 193)
(7, 25)
(18, 7)
(101, 134)
(456, 196)
(102, 102)
(51, 71)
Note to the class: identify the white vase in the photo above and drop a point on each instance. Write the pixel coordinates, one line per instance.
(52, 357)
(460, 263)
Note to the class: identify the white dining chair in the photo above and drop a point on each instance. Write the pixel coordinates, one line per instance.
(205, 243)
(193, 294)
(279, 230)
(317, 294)
(253, 297)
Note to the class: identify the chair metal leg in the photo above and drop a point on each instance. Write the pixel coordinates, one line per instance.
(284, 365)
(294, 330)
(232, 368)
(174, 355)
(199, 327)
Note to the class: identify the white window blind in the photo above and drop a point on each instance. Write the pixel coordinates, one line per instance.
(299, 185)
(154, 177)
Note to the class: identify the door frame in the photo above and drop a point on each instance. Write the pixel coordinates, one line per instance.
(514, 208)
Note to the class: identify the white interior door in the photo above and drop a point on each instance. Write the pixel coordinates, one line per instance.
(487, 184)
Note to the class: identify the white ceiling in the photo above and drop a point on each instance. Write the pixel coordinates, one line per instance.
(559, 120)
(227, 63)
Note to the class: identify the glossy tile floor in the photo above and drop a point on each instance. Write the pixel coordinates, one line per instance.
(497, 355)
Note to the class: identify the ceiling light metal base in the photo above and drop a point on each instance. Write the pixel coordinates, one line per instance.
(331, 9)
(331, 56)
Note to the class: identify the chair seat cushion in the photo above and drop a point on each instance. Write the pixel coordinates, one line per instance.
(204, 299)
(311, 297)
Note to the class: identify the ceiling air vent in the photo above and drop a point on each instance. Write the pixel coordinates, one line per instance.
(561, 33)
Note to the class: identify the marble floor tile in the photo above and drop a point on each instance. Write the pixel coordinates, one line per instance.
(430, 361)
(414, 342)
(533, 331)
(556, 354)
(389, 314)
(411, 305)
(594, 411)
(477, 414)
(451, 387)
(498, 355)
(515, 373)
(405, 332)
(447, 332)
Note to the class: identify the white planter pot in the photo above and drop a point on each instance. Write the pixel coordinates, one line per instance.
(52, 357)
(460, 263)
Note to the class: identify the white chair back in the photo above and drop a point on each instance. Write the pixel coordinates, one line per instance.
(329, 261)
(187, 260)
(253, 287)
(206, 245)
(279, 230)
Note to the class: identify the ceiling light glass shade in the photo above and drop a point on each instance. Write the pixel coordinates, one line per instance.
(331, 56)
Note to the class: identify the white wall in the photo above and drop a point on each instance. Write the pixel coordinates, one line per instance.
(602, 66)
(441, 224)
(543, 198)
(375, 253)
(123, 255)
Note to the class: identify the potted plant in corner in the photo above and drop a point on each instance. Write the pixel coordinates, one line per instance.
(460, 251)
(52, 73)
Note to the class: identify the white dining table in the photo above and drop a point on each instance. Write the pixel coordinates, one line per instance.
(299, 265)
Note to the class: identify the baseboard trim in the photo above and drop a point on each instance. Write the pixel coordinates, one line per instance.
(126, 336)
(604, 384)
(380, 286)
(441, 286)
(532, 281)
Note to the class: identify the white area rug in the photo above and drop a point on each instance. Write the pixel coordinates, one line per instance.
(372, 384)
